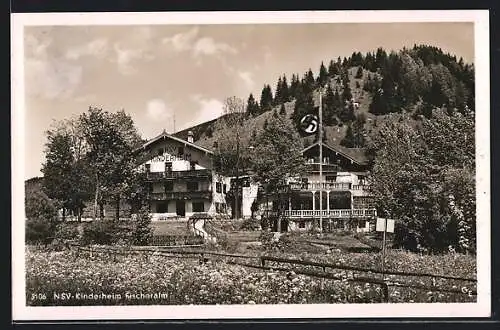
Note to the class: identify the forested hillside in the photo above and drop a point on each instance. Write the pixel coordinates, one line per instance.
(361, 92)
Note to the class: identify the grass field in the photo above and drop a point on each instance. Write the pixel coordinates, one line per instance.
(170, 227)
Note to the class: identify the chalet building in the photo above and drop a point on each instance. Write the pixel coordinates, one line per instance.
(346, 202)
(182, 181)
(180, 178)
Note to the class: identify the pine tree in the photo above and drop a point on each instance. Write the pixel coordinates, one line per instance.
(332, 69)
(285, 92)
(359, 73)
(308, 82)
(330, 109)
(347, 114)
(266, 99)
(293, 86)
(252, 106)
(349, 140)
(323, 75)
(346, 93)
(278, 95)
(282, 109)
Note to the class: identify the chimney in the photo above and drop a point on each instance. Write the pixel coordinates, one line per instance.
(190, 138)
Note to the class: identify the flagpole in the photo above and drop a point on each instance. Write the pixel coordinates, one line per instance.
(320, 159)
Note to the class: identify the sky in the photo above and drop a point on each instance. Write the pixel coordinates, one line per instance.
(160, 72)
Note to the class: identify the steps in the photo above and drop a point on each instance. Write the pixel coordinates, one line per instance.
(197, 226)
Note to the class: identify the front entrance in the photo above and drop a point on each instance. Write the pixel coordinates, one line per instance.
(180, 208)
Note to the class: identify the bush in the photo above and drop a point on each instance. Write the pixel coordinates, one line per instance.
(142, 231)
(39, 231)
(41, 217)
(104, 232)
(250, 224)
(67, 231)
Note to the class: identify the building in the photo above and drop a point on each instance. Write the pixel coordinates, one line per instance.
(346, 201)
(182, 181)
(180, 178)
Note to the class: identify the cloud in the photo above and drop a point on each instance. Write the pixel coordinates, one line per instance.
(189, 41)
(208, 109)
(126, 56)
(246, 76)
(35, 47)
(52, 78)
(157, 110)
(46, 75)
(134, 47)
(208, 46)
(97, 47)
(182, 41)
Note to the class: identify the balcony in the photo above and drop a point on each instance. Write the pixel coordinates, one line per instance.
(180, 195)
(340, 213)
(356, 189)
(314, 167)
(156, 176)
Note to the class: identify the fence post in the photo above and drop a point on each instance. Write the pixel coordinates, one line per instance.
(385, 292)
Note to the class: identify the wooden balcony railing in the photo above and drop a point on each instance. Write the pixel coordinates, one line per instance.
(332, 186)
(314, 167)
(161, 196)
(152, 176)
(339, 213)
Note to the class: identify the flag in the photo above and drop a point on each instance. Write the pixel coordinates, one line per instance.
(309, 124)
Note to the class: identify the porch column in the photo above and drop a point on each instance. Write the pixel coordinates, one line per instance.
(289, 203)
(314, 202)
(328, 202)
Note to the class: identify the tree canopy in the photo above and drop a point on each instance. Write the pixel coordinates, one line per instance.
(423, 176)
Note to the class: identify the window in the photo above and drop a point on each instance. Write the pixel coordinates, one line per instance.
(224, 188)
(302, 224)
(361, 179)
(180, 151)
(168, 166)
(160, 151)
(162, 207)
(148, 168)
(169, 186)
(331, 178)
(218, 187)
(193, 165)
(198, 207)
(219, 207)
(192, 186)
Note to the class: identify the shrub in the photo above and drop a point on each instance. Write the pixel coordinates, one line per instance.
(142, 230)
(41, 217)
(250, 224)
(39, 231)
(104, 232)
(67, 231)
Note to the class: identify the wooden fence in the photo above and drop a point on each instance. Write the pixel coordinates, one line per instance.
(265, 262)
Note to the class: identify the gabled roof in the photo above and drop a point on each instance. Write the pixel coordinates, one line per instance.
(165, 135)
(356, 155)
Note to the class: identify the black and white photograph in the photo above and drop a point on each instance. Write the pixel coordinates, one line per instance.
(250, 165)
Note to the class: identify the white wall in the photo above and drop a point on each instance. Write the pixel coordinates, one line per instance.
(249, 195)
(170, 149)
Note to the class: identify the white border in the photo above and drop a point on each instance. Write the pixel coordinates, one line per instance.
(480, 309)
